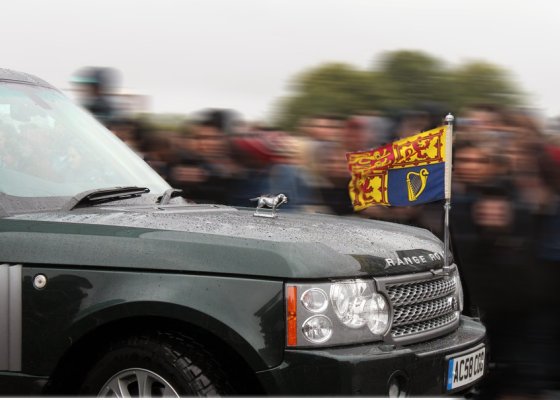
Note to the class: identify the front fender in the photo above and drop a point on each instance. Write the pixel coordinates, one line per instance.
(247, 314)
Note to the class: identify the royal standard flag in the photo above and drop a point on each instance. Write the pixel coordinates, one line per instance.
(410, 171)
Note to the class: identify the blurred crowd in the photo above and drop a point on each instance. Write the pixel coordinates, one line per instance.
(506, 234)
(505, 216)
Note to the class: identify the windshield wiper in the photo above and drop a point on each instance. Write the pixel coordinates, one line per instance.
(170, 193)
(104, 195)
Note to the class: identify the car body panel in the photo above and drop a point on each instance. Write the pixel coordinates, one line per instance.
(367, 369)
(245, 313)
(199, 238)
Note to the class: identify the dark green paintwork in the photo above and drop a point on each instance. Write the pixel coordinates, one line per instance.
(246, 313)
(125, 247)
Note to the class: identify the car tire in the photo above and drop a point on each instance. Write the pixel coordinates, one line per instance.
(156, 365)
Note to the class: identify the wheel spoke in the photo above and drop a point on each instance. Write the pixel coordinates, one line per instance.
(119, 388)
(144, 383)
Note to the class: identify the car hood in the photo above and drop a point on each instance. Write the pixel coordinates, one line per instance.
(219, 239)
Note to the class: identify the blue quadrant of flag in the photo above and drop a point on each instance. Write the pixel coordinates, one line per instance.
(431, 190)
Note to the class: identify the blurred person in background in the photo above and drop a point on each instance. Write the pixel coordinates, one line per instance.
(410, 122)
(536, 176)
(504, 213)
(484, 122)
(356, 136)
(158, 152)
(227, 121)
(365, 131)
(254, 159)
(492, 243)
(286, 174)
(334, 170)
(130, 132)
(529, 160)
(203, 166)
(317, 130)
(549, 239)
(271, 164)
(324, 128)
(96, 86)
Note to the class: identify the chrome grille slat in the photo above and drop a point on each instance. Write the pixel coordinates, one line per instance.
(423, 311)
(408, 293)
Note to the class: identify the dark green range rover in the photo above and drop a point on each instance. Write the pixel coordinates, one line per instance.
(111, 286)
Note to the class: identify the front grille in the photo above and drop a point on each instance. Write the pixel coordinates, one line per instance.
(421, 306)
(407, 293)
(423, 311)
(424, 326)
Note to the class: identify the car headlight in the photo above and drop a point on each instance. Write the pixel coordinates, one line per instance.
(377, 311)
(458, 289)
(315, 300)
(317, 329)
(349, 302)
(356, 304)
(352, 312)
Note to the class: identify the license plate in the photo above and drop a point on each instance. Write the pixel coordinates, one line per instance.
(465, 368)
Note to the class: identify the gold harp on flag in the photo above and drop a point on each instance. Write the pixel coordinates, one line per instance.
(416, 183)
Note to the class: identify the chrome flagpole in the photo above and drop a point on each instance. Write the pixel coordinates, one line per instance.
(448, 167)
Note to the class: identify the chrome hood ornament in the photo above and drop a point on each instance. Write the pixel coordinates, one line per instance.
(267, 205)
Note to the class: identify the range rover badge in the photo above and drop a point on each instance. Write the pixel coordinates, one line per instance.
(267, 205)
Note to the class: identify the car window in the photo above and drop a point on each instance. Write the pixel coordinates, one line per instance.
(49, 147)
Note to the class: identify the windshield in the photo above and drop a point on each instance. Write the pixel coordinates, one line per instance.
(51, 148)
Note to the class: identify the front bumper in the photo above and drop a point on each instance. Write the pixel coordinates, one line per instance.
(367, 370)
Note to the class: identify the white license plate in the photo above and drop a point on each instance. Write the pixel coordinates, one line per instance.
(465, 368)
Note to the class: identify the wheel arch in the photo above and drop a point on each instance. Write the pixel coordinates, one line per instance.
(90, 338)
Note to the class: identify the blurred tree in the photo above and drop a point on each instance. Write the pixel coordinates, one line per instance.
(400, 80)
(332, 88)
(479, 82)
(411, 78)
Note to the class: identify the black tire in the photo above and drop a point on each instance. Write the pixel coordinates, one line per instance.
(178, 360)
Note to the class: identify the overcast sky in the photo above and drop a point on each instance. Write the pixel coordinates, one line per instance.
(191, 54)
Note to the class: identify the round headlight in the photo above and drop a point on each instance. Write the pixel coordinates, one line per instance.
(377, 314)
(349, 302)
(315, 300)
(317, 329)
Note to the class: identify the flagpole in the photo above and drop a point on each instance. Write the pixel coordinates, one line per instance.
(447, 206)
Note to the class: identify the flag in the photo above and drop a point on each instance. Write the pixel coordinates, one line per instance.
(410, 171)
